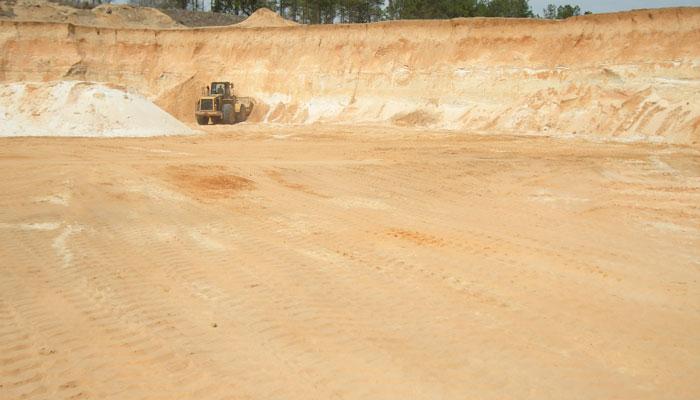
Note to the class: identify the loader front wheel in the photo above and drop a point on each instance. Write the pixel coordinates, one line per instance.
(202, 120)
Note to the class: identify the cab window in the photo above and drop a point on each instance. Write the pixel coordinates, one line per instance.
(217, 88)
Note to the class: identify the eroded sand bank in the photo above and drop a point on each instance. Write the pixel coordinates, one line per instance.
(627, 76)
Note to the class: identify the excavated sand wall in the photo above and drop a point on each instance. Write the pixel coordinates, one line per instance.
(628, 76)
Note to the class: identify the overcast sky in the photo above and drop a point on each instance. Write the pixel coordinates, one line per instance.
(598, 6)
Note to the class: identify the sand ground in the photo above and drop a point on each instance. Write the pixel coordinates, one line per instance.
(348, 263)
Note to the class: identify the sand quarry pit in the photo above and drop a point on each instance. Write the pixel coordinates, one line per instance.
(465, 209)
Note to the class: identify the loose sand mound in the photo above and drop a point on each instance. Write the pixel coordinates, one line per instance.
(626, 76)
(106, 15)
(71, 108)
(265, 18)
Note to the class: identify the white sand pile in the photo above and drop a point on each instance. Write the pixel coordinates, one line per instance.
(75, 108)
(264, 17)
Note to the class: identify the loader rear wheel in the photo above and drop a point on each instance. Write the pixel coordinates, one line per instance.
(228, 113)
(202, 120)
(241, 115)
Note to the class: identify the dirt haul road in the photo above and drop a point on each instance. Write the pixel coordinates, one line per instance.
(349, 263)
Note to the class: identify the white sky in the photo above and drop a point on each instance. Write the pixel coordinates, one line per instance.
(598, 6)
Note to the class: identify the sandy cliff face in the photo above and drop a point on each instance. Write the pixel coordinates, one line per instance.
(630, 75)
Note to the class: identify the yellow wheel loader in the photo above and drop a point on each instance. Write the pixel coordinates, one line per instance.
(219, 105)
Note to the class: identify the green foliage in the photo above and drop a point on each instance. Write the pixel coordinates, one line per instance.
(422, 9)
(437, 9)
(509, 9)
(562, 12)
(331, 11)
(550, 12)
(350, 11)
(568, 11)
(241, 7)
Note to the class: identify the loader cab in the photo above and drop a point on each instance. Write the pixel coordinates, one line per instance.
(221, 89)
